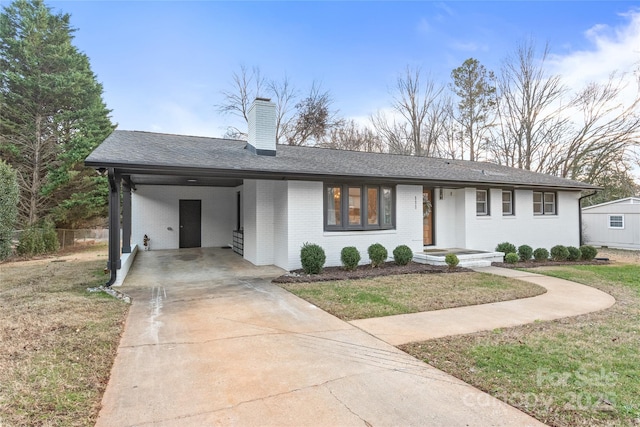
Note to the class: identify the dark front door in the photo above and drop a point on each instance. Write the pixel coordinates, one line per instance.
(190, 223)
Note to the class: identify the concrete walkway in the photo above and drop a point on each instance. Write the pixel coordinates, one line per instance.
(210, 341)
(562, 299)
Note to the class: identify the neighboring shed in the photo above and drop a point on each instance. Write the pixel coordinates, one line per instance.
(615, 224)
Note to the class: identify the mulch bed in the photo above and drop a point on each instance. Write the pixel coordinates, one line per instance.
(391, 268)
(365, 271)
(549, 263)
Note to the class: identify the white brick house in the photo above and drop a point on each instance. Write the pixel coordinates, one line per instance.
(268, 200)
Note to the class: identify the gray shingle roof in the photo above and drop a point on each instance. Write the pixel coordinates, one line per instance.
(145, 152)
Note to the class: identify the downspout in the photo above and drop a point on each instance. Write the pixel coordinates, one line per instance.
(580, 215)
(113, 263)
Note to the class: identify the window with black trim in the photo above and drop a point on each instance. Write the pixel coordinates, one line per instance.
(616, 221)
(507, 203)
(358, 207)
(482, 202)
(544, 203)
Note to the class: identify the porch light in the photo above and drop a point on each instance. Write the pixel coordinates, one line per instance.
(192, 180)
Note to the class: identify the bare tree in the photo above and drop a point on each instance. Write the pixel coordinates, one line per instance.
(351, 136)
(313, 119)
(247, 85)
(438, 127)
(449, 145)
(396, 137)
(285, 95)
(606, 132)
(416, 102)
(298, 121)
(530, 110)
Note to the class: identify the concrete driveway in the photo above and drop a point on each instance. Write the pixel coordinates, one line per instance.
(210, 341)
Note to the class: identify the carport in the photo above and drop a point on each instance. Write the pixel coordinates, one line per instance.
(123, 180)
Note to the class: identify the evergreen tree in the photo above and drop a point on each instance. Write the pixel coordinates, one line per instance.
(8, 207)
(476, 93)
(51, 114)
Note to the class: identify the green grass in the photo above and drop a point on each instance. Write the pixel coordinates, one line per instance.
(576, 371)
(624, 275)
(411, 293)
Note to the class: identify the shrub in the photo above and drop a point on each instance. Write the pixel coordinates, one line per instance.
(30, 242)
(588, 252)
(574, 253)
(312, 257)
(50, 238)
(506, 248)
(38, 240)
(350, 257)
(541, 254)
(452, 260)
(9, 196)
(511, 258)
(402, 255)
(525, 252)
(377, 254)
(559, 253)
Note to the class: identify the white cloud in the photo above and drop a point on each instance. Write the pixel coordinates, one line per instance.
(614, 49)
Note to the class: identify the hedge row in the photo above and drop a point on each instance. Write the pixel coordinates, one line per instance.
(557, 253)
(312, 256)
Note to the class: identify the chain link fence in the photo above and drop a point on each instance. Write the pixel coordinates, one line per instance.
(81, 237)
(72, 238)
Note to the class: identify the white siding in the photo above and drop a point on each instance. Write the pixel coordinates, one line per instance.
(595, 225)
(281, 224)
(259, 213)
(457, 225)
(448, 218)
(278, 217)
(155, 212)
(523, 228)
(305, 224)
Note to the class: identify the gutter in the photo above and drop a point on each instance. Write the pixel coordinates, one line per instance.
(580, 215)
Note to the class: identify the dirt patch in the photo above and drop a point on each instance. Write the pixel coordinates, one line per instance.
(622, 256)
(365, 271)
(87, 252)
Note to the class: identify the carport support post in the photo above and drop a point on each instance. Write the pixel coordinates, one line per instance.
(126, 216)
(113, 263)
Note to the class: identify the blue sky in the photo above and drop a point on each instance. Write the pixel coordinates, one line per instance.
(163, 64)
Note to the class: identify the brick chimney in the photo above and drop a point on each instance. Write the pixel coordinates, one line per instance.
(262, 127)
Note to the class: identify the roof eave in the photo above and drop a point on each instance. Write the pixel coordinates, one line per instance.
(128, 168)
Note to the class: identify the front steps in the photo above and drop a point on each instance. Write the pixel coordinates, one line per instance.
(467, 257)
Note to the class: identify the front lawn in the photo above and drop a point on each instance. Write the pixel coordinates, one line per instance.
(576, 371)
(409, 293)
(57, 341)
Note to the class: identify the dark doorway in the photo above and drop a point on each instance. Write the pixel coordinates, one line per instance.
(190, 223)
